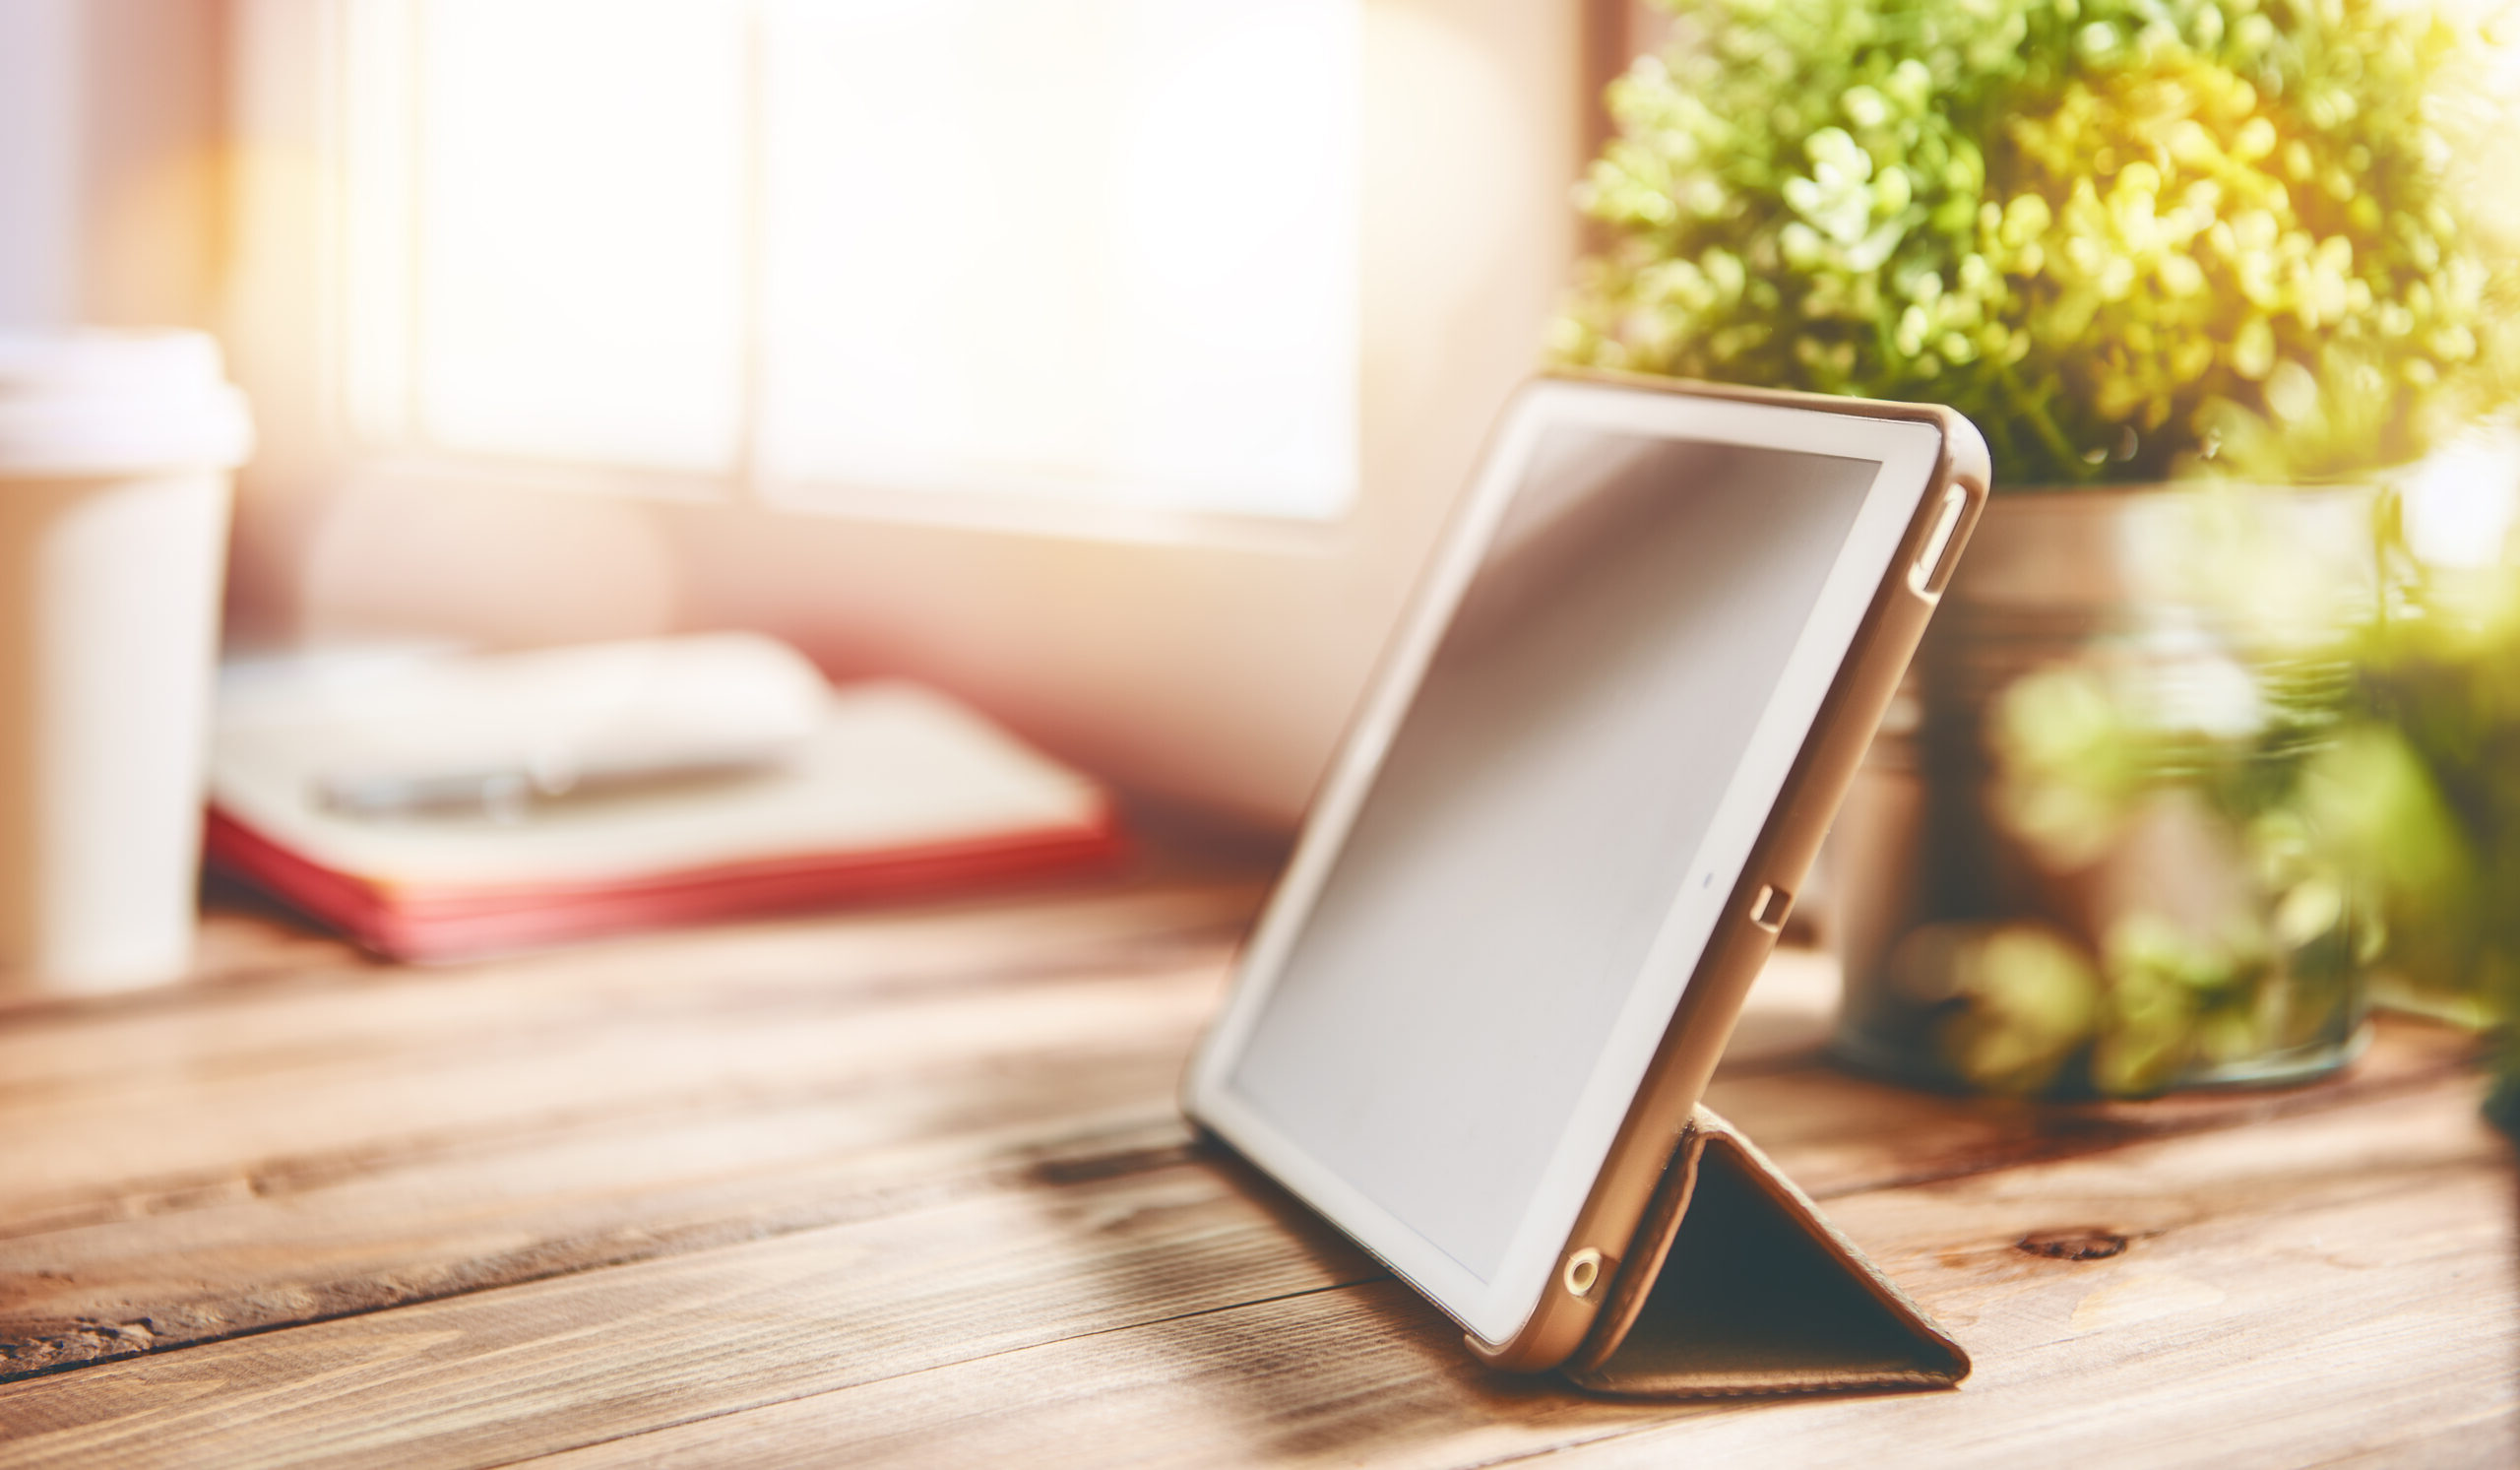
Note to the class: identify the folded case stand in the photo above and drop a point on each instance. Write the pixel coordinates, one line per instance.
(1737, 1286)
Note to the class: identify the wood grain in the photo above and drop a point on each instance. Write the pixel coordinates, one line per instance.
(771, 1114)
(2268, 1311)
(911, 1187)
(106, 1108)
(160, 1263)
(655, 1341)
(922, 1105)
(994, 1326)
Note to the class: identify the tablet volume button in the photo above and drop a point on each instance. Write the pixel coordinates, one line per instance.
(1932, 567)
(1769, 908)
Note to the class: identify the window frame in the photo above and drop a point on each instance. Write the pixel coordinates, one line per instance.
(325, 420)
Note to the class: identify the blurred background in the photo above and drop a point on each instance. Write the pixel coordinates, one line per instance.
(1107, 364)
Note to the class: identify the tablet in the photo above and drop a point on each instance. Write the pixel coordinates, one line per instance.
(1563, 831)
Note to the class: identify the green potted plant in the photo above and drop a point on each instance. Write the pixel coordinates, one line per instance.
(2424, 784)
(2138, 243)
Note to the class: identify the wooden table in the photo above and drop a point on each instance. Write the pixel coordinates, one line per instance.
(909, 1186)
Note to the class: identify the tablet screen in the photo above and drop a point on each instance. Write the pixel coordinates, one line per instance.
(1540, 807)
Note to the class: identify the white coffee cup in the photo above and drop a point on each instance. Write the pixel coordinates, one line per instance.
(115, 450)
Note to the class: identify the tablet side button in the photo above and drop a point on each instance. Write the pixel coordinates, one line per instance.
(1931, 569)
(1768, 909)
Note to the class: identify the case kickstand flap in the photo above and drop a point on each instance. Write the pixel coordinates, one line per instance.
(1737, 1285)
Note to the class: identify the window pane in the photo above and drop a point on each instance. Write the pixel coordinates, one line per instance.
(376, 223)
(1099, 250)
(581, 229)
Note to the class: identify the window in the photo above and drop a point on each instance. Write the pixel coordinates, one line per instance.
(889, 254)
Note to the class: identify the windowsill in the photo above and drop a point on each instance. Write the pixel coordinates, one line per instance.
(1033, 517)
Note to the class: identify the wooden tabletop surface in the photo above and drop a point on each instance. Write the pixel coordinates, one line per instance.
(909, 1186)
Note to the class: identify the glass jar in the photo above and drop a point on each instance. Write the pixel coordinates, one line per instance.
(2084, 855)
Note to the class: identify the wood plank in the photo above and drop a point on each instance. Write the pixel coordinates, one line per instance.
(492, 1375)
(398, 1079)
(1836, 1133)
(2376, 1237)
(924, 1105)
(461, 1201)
(1367, 1375)
(245, 939)
(228, 1024)
(470, 1224)
(2312, 1291)
(310, 1238)
(194, 1099)
(2321, 1287)
(302, 1240)
(248, 1132)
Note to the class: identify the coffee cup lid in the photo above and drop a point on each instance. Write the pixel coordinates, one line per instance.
(92, 402)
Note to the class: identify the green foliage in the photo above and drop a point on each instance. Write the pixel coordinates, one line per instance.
(2373, 808)
(2426, 791)
(2081, 761)
(2021, 1001)
(2119, 235)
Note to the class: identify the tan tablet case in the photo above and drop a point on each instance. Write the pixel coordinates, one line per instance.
(1737, 1285)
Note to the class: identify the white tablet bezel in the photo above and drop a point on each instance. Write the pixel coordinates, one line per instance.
(1495, 1308)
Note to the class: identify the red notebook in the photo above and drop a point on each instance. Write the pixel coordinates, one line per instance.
(879, 790)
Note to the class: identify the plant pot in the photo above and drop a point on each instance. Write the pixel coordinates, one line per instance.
(2078, 857)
